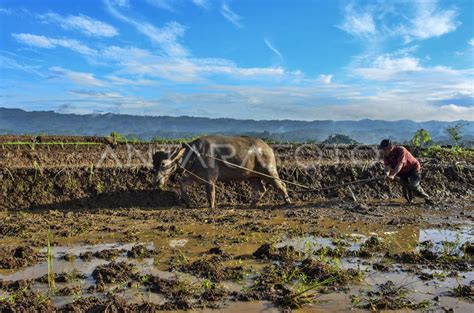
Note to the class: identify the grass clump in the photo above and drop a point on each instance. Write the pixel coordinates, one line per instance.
(49, 255)
(388, 297)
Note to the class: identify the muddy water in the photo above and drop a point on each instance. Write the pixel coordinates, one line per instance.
(404, 239)
(444, 240)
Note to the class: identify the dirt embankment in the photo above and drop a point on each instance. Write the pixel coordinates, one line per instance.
(72, 155)
(77, 155)
(85, 182)
(51, 138)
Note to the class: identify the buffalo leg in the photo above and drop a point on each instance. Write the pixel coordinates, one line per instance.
(278, 184)
(184, 195)
(258, 190)
(211, 195)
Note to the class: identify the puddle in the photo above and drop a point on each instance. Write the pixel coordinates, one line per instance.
(420, 290)
(442, 239)
(406, 239)
(64, 266)
(440, 286)
(178, 243)
(446, 240)
(310, 244)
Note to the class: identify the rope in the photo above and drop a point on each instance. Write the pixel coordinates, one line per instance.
(212, 184)
(354, 182)
(247, 169)
(308, 189)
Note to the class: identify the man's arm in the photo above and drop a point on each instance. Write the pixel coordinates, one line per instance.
(401, 160)
(395, 171)
(387, 170)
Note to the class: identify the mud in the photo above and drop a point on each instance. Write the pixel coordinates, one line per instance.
(95, 304)
(212, 268)
(99, 176)
(113, 273)
(63, 277)
(108, 254)
(389, 296)
(49, 189)
(16, 285)
(140, 252)
(52, 138)
(27, 301)
(224, 248)
(12, 258)
(464, 291)
(135, 248)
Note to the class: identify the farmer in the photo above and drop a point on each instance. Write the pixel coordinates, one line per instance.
(399, 162)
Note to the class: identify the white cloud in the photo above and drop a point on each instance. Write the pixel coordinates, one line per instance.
(195, 70)
(269, 45)
(166, 37)
(5, 11)
(471, 42)
(325, 79)
(82, 23)
(81, 78)
(233, 70)
(120, 3)
(50, 43)
(387, 67)
(358, 23)
(116, 80)
(34, 40)
(415, 20)
(175, 63)
(97, 94)
(201, 3)
(311, 103)
(139, 63)
(162, 4)
(429, 21)
(9, 63)
(396, 111)
(75, 46)
(230, 15)
(130, 54)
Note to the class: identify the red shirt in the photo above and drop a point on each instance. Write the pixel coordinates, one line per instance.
(401, 154)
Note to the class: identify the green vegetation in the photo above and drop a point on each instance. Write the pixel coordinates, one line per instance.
(99, 188)
(462, 291)
(37, 168)
(388, 297)
(421, 138)
(91, 172)
(117, 137)
(450, 249)
(300, 293)
(161, 140)
(338, 139)
(51, 283)
(453, 153)
(454, 132)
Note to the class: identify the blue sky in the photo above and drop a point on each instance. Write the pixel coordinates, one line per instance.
(281, 59)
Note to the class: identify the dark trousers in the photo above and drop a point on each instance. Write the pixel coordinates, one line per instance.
(411, 185)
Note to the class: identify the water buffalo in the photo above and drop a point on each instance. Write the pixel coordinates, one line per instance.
(197, 162)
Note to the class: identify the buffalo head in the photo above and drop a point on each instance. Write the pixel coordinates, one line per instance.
(166, 164)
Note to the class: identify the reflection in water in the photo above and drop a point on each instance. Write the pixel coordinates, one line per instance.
(403, 239)
(446, 240)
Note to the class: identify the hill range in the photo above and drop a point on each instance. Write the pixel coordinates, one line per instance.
(17, 121)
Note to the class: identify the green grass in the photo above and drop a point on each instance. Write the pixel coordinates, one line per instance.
(51, 282)
(439, 152)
